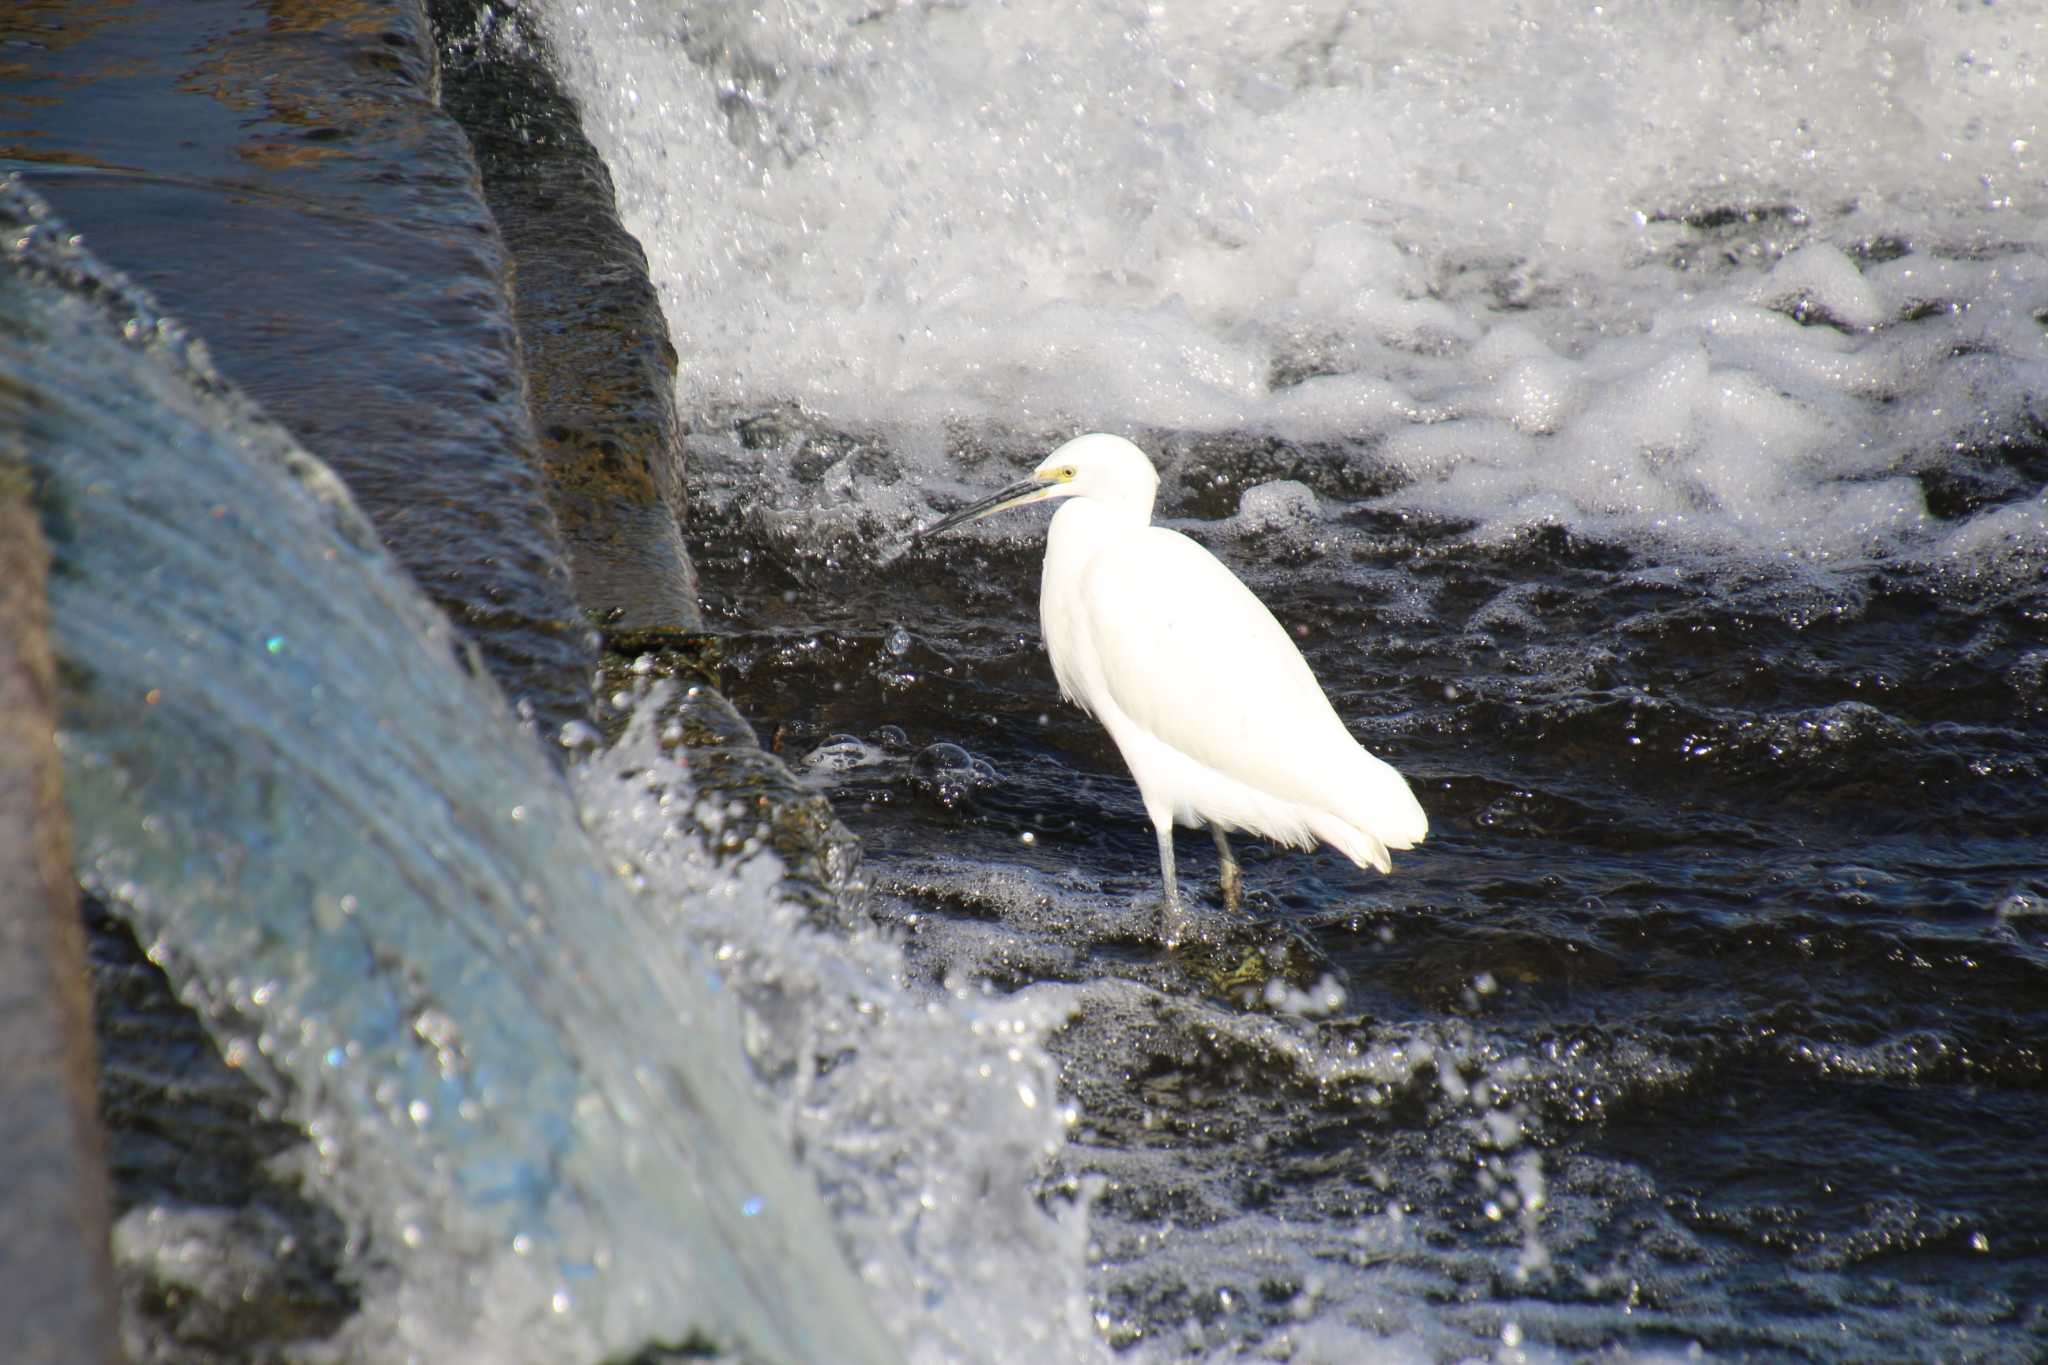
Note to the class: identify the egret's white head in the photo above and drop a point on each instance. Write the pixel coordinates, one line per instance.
(1105, 468)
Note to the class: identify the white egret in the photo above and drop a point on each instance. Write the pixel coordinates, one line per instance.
(1212, 706)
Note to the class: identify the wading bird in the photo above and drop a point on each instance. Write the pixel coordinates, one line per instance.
(1212, 706)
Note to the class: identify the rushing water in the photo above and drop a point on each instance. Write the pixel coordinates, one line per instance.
(521, 1085)
(1637, 416)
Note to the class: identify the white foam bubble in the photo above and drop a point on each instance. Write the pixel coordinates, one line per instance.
(1820, 279)
(1282, 505)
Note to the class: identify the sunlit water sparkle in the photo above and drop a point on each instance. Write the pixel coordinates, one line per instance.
(1635, 414)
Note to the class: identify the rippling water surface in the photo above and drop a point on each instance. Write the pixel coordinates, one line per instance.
(1712, 1010)
(1635, 416)
(1646, 449)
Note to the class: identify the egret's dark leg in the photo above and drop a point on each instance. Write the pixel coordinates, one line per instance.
(1173, 920)
(1230, 876)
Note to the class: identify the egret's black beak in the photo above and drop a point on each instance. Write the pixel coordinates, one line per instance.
(1016, 495)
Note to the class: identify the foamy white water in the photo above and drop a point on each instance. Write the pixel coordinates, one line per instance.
(928, 1123)
(1721, 282)
(1724, 277)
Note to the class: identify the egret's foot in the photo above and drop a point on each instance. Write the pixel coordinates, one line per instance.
(1176, 925)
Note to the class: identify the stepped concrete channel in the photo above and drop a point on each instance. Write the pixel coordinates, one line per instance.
(402, 246)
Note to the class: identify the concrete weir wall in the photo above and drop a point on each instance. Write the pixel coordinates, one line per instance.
(599, 366)
(477, 352)
(284, 182)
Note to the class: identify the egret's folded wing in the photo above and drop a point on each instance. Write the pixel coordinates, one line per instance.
(1188, 653)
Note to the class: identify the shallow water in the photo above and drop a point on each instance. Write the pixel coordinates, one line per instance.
(1646, 449)
(1734, 898)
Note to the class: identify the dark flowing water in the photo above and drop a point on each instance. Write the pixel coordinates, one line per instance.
(1691, 568)
(1636, 415)
(1735, 900)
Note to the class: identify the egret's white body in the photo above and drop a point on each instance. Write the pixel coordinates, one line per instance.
(1210, 703)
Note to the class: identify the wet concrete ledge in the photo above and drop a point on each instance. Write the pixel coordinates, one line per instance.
(471, 341)
(283, 179)
(602, 379)
(600, 368)
(284, 182)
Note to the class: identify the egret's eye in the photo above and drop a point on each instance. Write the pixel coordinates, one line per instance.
(1065, 474)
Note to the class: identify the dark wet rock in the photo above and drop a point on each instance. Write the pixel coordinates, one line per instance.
(284, 182)
(221, 1255)
(762, 800)
(602, 380)
(600, 367)
(56, 1301)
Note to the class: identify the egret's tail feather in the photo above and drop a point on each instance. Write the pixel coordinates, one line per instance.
(1348, 839)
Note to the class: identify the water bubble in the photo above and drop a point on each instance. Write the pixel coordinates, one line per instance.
(838, 754)
(898, 642)
(950, 773)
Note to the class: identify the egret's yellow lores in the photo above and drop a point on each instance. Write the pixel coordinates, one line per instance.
(1212, 706)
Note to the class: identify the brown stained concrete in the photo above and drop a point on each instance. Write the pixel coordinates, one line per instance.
(56, 1298)
(600, 368)
(602, 379)
(282, 178)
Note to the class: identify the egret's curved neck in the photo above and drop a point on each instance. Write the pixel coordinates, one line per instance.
(1079, 528)
(1081, 524)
